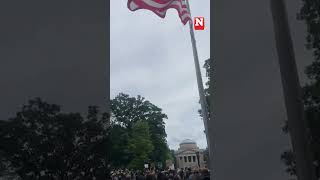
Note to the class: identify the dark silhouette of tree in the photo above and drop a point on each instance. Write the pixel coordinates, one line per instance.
(207, 66)
(310, 14)
(119, 154)
(206, 157)
(41, 142)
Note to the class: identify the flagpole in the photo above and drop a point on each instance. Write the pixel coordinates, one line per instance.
(292, 92)
(204, 110)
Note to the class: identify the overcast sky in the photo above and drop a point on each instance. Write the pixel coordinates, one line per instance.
(152, 57)
(58, 52)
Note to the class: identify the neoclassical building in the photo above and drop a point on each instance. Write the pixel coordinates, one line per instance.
(189, 155)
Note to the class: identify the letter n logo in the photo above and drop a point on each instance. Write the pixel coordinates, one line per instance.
(199, 23)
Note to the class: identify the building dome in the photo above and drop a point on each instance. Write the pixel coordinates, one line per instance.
(189, 155)
(188, 144)
(187, 141)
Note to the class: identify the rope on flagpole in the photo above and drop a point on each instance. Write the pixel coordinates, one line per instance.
(203, 102)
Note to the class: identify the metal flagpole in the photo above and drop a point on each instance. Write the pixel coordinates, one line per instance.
(292, 92)
(203, 102)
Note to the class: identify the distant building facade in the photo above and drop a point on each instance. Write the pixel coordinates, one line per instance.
(189, 155)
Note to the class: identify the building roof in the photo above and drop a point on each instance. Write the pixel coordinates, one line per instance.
(188, 141)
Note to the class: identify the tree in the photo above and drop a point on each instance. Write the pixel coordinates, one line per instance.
(126, 111)
(140, 144)
(207, 66)
(206, 157)
(43, 143)
(119, 155)
(173, 157)
(310, 13)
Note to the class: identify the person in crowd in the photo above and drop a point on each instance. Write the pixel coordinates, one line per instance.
(188, 173)
(205, 175)
(195, 175)
(140, 176)
(150, 176)
(183, 174)
(176, 177)
(161, 176)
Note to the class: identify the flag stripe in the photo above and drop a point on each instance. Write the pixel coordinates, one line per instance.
(162, 1)
(132, 5)
(154, 4)
(160, 7)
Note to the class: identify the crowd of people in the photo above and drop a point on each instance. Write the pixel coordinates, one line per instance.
(179, 174)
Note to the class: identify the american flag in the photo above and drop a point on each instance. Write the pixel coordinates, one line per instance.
(160, 7)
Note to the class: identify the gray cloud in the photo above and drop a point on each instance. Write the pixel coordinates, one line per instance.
(153, 57)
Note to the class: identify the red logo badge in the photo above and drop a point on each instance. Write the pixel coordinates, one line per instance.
(199, 23)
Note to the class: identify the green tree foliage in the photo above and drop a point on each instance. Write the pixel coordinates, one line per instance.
(173, 158)
(207, 66)
(310, 14)
(126, 111)
(140, 144)
(43, 143)
(206, 156)
(119, 155)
